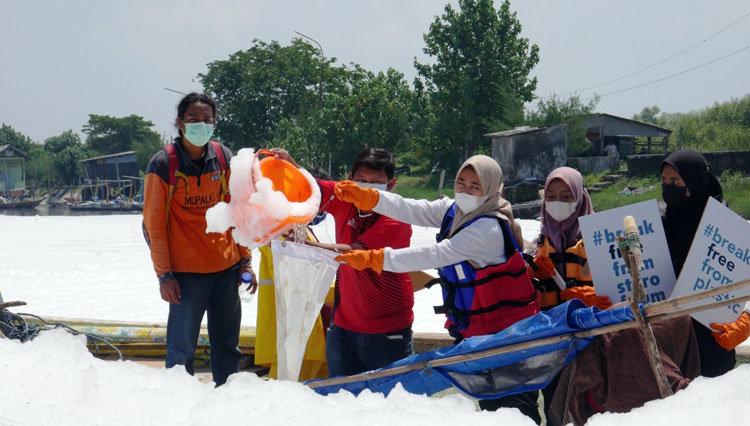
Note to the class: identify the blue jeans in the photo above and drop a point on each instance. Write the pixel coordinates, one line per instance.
(349, 352)
(216, 294)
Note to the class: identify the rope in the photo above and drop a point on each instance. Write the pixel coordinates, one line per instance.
(14, 326)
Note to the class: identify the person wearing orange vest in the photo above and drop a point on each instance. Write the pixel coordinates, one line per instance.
(198, 272)
(560, 250)
(560, 246)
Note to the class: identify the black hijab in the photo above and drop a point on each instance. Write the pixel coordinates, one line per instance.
(681, 223)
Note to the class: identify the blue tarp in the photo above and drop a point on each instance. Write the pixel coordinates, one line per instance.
(498, 375)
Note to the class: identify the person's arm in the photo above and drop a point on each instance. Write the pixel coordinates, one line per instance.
(328, 201)
(415, 212)
(155, 229)
(481, 242)
(338, 248)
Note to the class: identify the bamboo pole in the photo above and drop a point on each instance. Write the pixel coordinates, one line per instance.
(673, 305)
(637, 297)
(658, 315)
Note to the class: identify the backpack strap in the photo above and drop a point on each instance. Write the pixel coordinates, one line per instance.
(173, 174)
(174, 164)
(223, 164)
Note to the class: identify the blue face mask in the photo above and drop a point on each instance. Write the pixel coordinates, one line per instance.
(198, 134)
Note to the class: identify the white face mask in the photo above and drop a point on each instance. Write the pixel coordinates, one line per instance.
(380, 186)
(468, 203)
(559, 210)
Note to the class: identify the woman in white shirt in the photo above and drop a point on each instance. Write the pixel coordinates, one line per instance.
(486, 287)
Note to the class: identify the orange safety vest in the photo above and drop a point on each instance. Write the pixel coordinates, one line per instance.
(174, 213)
(175, 173)
(574, 271)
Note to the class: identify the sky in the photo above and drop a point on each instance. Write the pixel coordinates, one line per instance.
(62, 61)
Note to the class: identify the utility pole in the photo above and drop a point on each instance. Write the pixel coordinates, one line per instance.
(322, 62)
(320, 86)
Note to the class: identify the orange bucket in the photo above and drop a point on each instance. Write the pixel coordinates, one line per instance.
(289, 181)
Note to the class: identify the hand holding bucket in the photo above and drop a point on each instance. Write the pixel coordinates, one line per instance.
(269, 197)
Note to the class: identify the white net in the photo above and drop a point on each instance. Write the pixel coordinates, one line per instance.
(302, 275)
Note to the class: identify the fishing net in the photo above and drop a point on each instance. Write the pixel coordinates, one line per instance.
(302, 275)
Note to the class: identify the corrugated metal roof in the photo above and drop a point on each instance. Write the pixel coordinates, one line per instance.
(15, 150)
(516, 131)
(119, 154)
(624, 126)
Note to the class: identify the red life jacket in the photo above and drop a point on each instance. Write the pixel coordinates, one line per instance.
(486, 300)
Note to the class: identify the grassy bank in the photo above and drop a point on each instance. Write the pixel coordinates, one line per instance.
(736, 192)
(422, 187)
(609, 197)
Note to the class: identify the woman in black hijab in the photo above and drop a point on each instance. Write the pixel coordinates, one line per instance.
(687, 183)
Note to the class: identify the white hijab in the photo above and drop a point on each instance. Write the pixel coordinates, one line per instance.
(491, 176)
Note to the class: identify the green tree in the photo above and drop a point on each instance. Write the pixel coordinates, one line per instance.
(570, 111)
(480, 74)
(10, 136)
(722, 127)
(110, 135)
(259, 87)
(649, 115)
(268, 95)
(67, 153)
(373, 111)
(369, 110)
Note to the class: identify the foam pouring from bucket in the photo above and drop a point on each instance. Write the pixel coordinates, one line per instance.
(268, 198)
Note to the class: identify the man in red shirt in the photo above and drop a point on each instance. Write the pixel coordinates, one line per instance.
(372, 312)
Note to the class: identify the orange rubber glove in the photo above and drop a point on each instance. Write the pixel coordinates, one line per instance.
(733, 333)
(363, 198)
(546, 268)
(587, 295)
(363, 259)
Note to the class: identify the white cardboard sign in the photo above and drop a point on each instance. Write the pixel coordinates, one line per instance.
(609, 271)
(719, 255)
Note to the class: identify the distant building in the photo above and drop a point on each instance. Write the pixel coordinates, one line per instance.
(12, 170)
(526, 153)
(629, 136)
(111, 167)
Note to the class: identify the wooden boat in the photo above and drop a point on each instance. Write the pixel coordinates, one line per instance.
(25, 204)
(107, 206)
(136, 339)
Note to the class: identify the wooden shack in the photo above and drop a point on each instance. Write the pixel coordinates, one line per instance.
(12, 171)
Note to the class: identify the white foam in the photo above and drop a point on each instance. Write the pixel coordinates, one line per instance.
(256, 210)
(53, 380)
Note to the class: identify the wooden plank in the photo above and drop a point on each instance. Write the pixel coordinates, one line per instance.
(520, 346)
